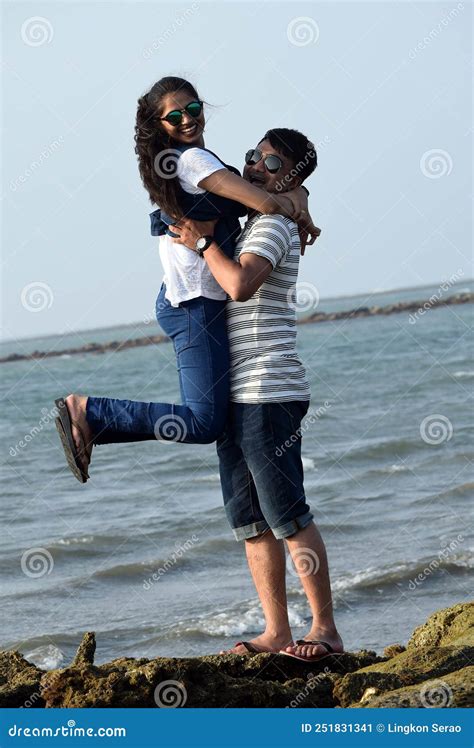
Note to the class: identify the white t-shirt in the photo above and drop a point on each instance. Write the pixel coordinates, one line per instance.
(186, 275)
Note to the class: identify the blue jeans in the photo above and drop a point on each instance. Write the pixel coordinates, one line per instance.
(261, 469)
(198, 331)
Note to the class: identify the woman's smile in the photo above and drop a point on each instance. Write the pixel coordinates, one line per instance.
(189, 129)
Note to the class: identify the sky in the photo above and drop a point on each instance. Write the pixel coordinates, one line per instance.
(382, 88)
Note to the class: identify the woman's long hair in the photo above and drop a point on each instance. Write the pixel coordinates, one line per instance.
(156, 163)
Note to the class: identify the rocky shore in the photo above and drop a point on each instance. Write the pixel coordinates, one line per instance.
(414, 308)
(434, 669)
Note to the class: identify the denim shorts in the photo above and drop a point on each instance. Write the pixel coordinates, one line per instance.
(261, 469)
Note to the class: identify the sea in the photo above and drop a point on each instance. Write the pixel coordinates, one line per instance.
(142, 553)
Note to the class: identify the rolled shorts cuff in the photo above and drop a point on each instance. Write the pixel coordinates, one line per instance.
(289, 528)
(250, 531)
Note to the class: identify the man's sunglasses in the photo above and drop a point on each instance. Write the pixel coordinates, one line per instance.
(194, 109)
(272, 163)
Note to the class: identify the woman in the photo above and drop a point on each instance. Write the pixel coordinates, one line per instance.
(184, 179)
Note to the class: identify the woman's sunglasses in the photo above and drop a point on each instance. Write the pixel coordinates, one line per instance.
(272, 163)
(194, 109)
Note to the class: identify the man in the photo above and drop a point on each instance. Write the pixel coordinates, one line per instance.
(260, 450)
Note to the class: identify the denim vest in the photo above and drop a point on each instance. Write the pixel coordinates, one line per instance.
(206, 207)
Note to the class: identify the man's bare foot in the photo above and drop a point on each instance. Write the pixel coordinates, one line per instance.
(329, 635)
(76, 405)
(262, 643)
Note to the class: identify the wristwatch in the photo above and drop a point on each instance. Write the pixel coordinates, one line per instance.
(203, 243)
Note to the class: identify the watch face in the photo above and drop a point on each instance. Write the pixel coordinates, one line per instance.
(201, 242)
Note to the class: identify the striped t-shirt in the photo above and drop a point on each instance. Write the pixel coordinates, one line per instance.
(265, 367)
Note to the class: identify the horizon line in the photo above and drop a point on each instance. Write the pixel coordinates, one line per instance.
(140, 322)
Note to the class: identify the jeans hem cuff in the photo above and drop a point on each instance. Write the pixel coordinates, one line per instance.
(291, 527)
(250, 531)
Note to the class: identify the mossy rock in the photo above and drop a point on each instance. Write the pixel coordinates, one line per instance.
(451, 691)
(407, 668)
(166, 682)
(453, 625)
(19, 682)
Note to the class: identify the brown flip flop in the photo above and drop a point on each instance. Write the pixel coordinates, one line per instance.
(73, 456)
(250, 649)
(315, 658)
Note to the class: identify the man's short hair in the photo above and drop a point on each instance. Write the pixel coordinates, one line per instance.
(296, 146)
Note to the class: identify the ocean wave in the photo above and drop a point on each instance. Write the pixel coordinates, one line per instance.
(246, 619)
(379, 448)
(46, 657)
(76, 540)
(376, 577)
(463, 374)
(395, 468)
(209, 478)
(144, 570)
(463, 489)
